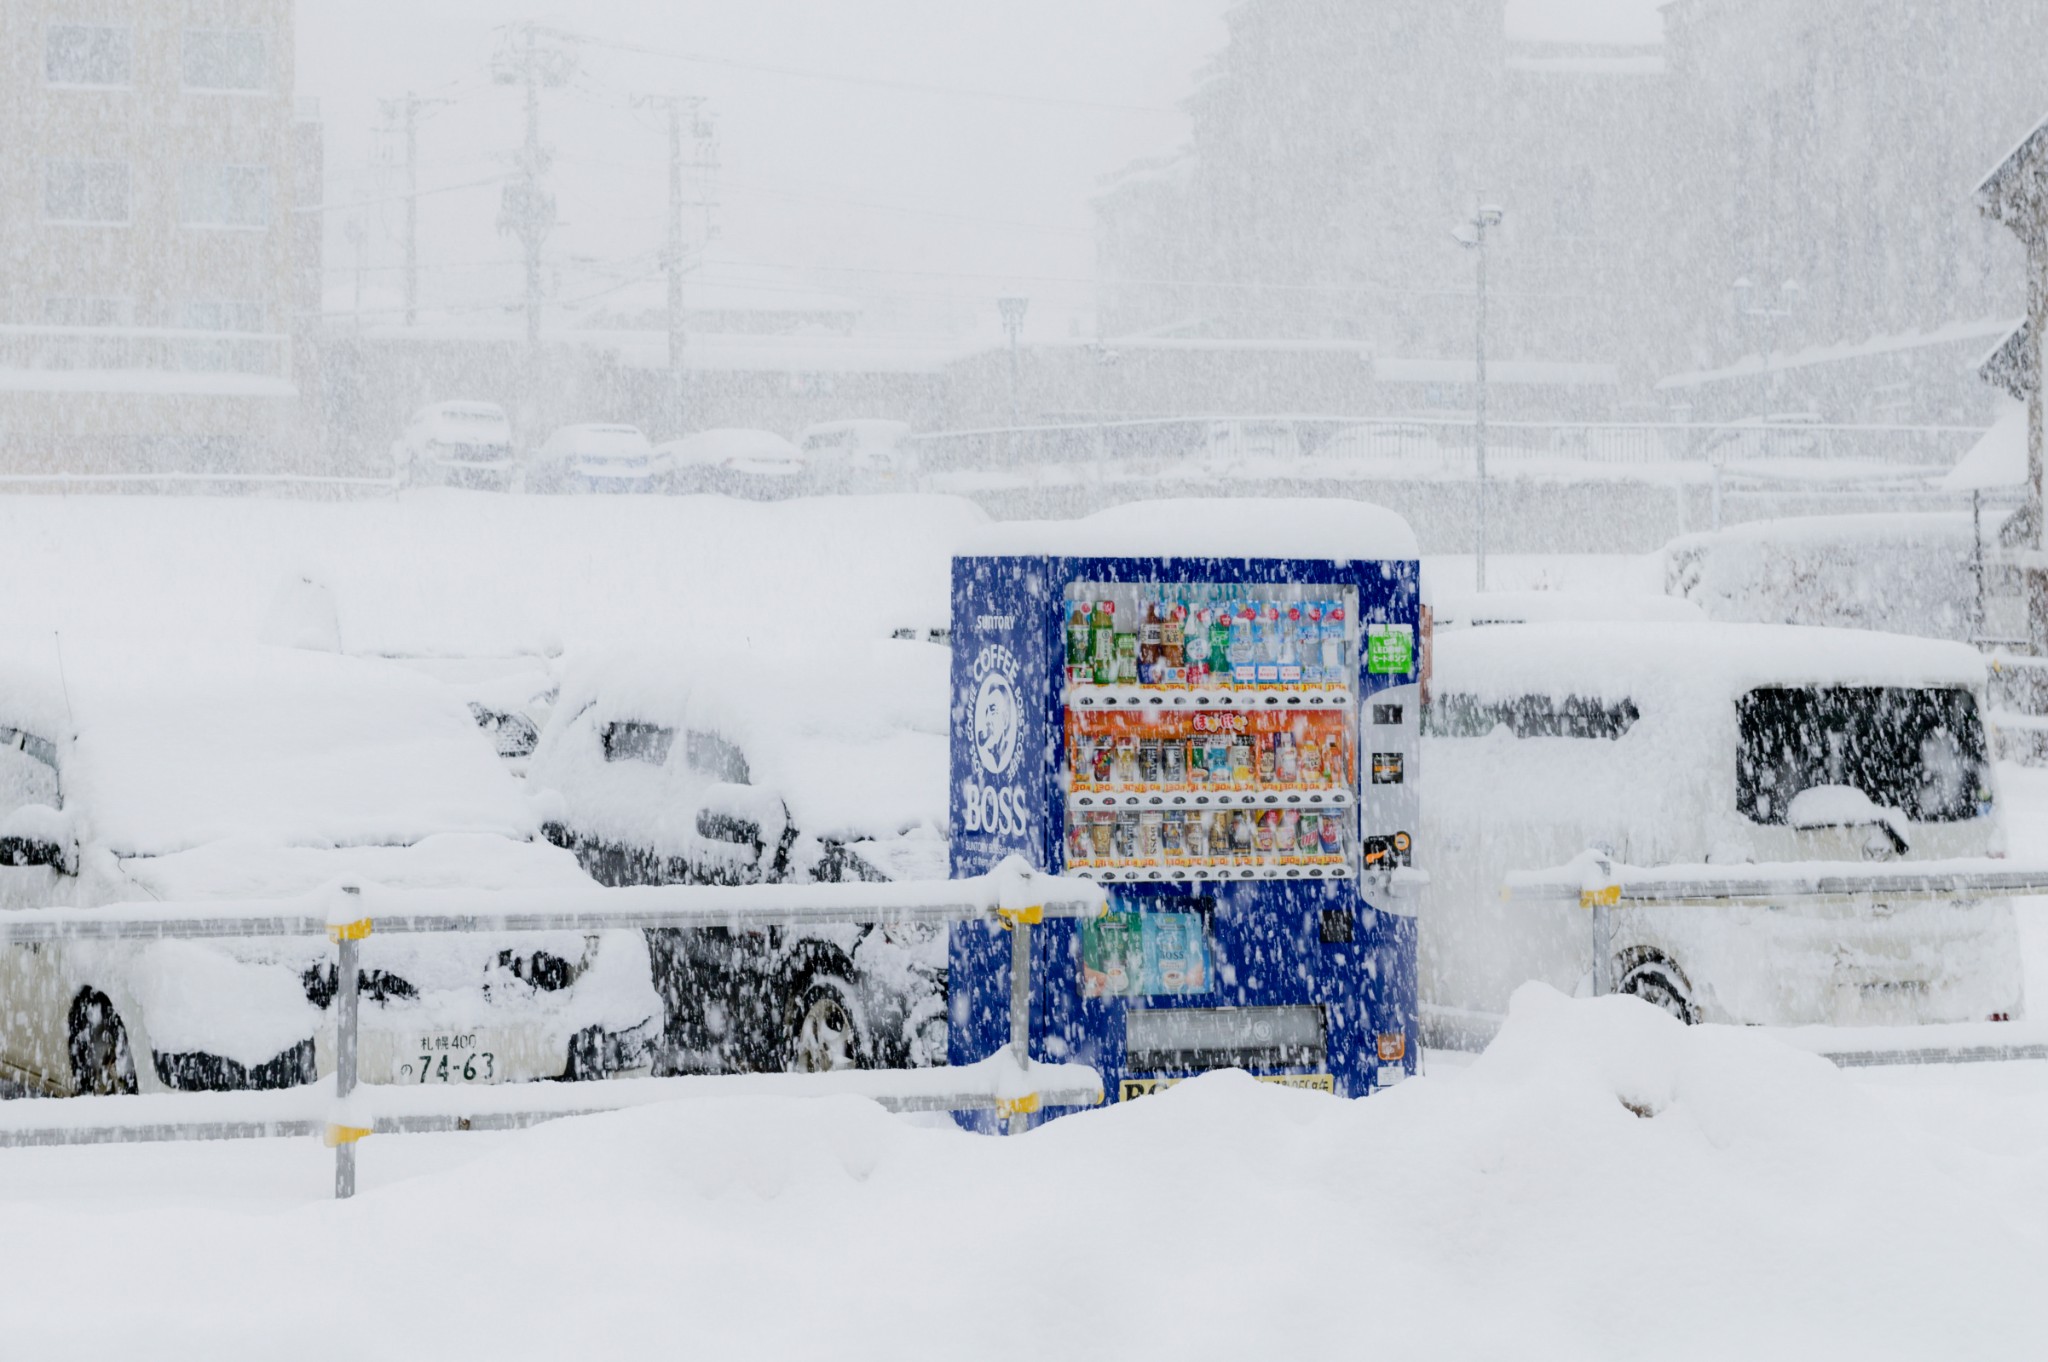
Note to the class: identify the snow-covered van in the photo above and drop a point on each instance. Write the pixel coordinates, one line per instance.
(1669, 744)
(753, 768)
(270, 772)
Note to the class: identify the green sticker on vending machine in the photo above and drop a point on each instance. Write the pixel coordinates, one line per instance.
(1389, 649)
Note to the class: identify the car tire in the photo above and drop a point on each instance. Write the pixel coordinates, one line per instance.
(101, 1061)
(824, 1029)
(1662, 985)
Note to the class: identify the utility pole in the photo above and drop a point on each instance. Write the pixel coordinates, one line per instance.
(526, 210)
(412, 208)
(1473, 235)
(678, 340)
(1012, 311)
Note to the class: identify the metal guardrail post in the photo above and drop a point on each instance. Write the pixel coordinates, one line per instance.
(1601, 893)
(343, 1133)
(1020, 1011)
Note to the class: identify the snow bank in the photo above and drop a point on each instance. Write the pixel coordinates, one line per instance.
(1602, 1183)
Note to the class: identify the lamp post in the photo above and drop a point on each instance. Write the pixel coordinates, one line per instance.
(1472, 235)
(1012, 310)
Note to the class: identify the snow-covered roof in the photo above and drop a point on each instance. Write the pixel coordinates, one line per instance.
(1751, 366)
(1453, 609)
(1998, 459)
(1621, 661)
(269, 746)
(1535, 373)
(1278, 527)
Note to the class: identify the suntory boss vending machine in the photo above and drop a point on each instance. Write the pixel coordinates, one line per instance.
(1210, 707)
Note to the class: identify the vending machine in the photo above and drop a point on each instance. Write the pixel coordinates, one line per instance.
(1217, 721)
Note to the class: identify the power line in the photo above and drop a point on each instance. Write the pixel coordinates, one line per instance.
(399, 198)
(882, 82)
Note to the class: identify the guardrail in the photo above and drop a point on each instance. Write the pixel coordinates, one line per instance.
(1009, 1084)
(1599, 885)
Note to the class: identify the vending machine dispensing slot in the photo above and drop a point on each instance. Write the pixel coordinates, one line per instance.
(1223, 733)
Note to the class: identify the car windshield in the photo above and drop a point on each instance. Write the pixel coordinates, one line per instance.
(28, 770)
(1919, 750)
(1529, 716)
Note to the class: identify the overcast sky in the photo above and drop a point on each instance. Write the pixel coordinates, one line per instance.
(952, 151)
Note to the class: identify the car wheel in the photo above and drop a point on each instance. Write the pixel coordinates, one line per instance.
(824, 1031)
(1659, 983)
(101, 1063)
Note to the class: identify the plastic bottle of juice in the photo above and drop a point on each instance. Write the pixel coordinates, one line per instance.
(1173, 633)
(1149, 630)
(1102, 644)
(1080, 639)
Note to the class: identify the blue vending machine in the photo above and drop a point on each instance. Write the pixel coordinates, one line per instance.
(1228, 743)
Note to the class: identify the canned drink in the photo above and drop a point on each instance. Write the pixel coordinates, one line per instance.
(1290, 826)
(1308, 836)
(1103, 760)
(1219, 838)
(1126, 838)
(1196, 838)
(1148, 763)
(1173, 839)
(1333, 837)
(1173, 763)
(1081, 759)
(1219, 759)
(1127, 762)
(1268, 831)
(1151, 835)
(1102, 837)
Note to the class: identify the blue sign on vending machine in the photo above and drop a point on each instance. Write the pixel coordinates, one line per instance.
(1211, 708)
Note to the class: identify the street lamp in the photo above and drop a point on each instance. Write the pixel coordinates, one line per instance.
(1472, 235)
(1012, 310)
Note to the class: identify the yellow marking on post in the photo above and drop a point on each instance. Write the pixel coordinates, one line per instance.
(1031, 916)
(348, 931)
(1607, 896)
(336, 1136)
(1017, 1106)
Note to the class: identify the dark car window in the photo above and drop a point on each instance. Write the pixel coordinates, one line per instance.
(626, 740)
(1919, 750)
(1529, 716)
(715, 757)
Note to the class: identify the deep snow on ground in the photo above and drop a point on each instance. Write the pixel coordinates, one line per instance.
(1602, 1183)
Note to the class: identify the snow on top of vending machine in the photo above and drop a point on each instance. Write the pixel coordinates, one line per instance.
(1218, 527)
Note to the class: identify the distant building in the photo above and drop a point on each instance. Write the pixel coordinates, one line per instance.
(155, 272)
(1646, 172)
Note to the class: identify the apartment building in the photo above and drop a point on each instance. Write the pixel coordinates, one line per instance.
(149, 270)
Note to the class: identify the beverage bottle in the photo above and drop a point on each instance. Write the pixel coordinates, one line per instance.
(1287, 760)
(1081, 759)
(1173, 833)
(1102, 644)
(1149, 630)
(1173, 629)
(1126, 660)
(1290, 827)
(1105, 762)
(1241, 768)
(1336, 657)
(1173, 761)
(1149, 763)
(1335, 771)
(1308, 835)
(1198, 762)
(1080, 631)
(1219, 645)
(1311, 761)
(1291, 619)
(1195, 647)
(1268, 760)
(1197, 835)
(1219, 838)
(1127, 762)
(1219, 757)
(1312, 643)
(1242, 661)
(1333, 838)
(1241, 836)
(1268, 831)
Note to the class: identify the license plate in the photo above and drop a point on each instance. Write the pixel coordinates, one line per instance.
(445, 1057)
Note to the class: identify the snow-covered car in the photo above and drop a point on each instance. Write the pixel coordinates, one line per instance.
(747, 769)
(267, 772)
(595, 458)
(747, 463)
(858, 453)
(456, 444)
(1227, 443)
(1689, 744)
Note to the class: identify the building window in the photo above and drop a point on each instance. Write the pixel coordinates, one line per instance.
(226, 196)
(222, 314)
(227, 59)
(85, 191)
(87, 54)
(85, 311)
